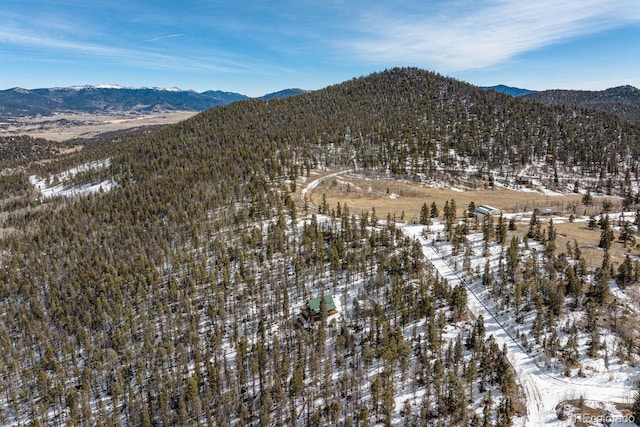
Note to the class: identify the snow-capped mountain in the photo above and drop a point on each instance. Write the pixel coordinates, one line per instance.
(117, 86)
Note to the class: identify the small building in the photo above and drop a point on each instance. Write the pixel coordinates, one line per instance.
(311, 309)
(523, 180)
(547, 211)
(483, 210)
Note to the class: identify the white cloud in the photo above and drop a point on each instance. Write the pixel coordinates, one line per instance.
(457, 36)
(170, 36)
(77, 50)
(22, 38)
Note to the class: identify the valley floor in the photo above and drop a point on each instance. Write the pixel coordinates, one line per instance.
(66, 126)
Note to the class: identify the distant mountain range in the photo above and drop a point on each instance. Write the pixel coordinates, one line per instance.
(18, 102)
(509, 90)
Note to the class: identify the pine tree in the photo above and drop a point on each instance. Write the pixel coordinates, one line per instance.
(471, 210)
(424, 214)
(593, 346)
(551, 240)
(434, 210)
(626, 233)
(487, 233)
(606, 235)
(449, 217)
(599, 291)
(501, 230)
(512, 258)
(458, 301)
(625, 273)
(573, 286)
(323, 208)
(534, 227)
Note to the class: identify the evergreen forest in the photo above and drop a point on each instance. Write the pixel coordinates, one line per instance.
(172, 294)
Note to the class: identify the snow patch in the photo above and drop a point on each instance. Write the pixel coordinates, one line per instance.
(119, 87)
(60, 185)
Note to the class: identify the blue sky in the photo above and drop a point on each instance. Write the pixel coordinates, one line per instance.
(255, 47)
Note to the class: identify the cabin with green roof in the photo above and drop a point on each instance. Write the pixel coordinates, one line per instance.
(311, 309)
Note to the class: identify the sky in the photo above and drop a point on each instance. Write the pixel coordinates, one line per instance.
(262, 46)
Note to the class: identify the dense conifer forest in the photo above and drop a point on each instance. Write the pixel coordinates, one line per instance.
(172, 295)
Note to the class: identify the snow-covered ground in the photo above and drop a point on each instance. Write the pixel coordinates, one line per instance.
(544, 389)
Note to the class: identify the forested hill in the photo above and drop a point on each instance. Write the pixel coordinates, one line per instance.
(408, 120)
(167, 297)
(623, 101)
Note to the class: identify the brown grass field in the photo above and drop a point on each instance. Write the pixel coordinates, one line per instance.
(587, 241)
(403, 200)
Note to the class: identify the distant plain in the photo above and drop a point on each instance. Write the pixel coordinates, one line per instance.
(65, 126)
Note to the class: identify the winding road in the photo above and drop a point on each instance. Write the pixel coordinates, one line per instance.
(313, 184)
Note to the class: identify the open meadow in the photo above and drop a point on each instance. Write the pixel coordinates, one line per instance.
(403, 201)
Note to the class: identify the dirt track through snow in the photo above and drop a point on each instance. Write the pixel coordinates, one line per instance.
(543, 390)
